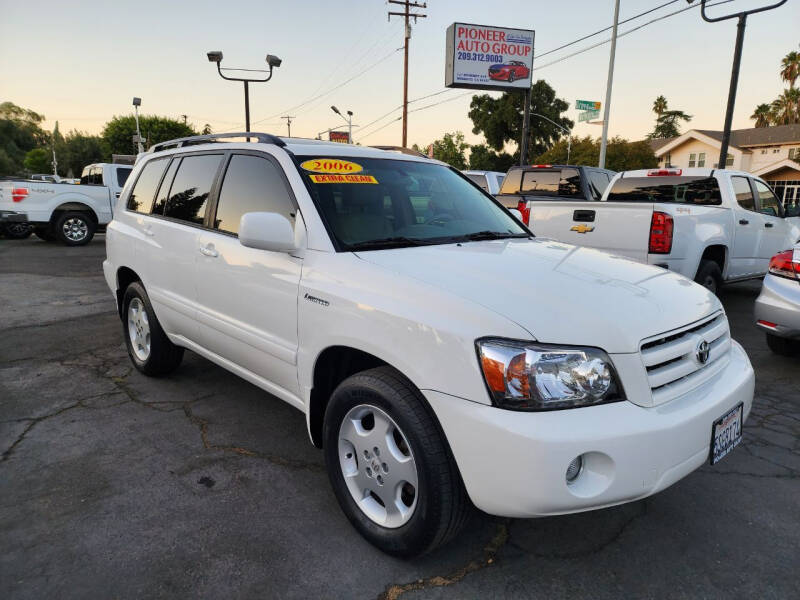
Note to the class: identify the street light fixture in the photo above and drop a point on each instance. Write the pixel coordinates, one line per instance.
(215, 56)
(349, 120)
(137, 102)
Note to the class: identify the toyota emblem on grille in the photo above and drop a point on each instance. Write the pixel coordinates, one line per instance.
(702, 352)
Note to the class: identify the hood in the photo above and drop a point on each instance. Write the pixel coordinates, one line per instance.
(560, 293)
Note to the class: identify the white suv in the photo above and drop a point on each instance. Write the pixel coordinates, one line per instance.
(442, 356)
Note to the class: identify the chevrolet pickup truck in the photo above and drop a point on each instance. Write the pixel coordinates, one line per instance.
(711, 225)
(65, 212)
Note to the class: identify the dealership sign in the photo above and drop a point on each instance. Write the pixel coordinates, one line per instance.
(488, 58)
(339, 136)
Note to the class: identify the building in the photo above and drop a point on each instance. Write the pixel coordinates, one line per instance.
(768, 152)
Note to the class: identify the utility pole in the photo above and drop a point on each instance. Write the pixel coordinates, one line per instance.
(406, 14)
(184, 118)
(288, 124)
(604, 141)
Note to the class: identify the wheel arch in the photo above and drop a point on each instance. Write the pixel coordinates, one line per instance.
(717, 253)
(73, 205)
(125, 277)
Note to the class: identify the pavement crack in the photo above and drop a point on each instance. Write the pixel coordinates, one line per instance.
(489, 558)
(33, 423)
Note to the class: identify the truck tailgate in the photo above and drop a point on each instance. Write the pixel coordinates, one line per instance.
(621, 228)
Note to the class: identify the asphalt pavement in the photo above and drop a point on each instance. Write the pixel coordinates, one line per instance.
(200, 485)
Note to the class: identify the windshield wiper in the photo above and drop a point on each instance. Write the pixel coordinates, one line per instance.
(390, 242)
(493, 235)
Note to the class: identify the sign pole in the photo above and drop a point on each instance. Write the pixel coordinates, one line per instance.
(526, 128)
(604, 141)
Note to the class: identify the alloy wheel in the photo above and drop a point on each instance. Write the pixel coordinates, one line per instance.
(139, 329)
(75, 229)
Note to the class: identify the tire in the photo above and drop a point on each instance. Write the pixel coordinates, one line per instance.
(783, 346)
(511, 78)
(44, 233)
(148, 346)
(709, 276)
(422, 516)
(74, 228)
(17, 231)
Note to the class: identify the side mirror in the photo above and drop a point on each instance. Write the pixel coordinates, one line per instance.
(266, 231)
(516, 213)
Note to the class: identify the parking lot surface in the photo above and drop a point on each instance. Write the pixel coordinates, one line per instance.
(199, 485)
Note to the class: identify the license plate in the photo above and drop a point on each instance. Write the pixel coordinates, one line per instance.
(726, 433)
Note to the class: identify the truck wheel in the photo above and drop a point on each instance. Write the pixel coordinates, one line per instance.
(783, 346)
(709, 276)
(148, 346)
(17, 231)
(390, 465)
(44, 233)
(75, 228)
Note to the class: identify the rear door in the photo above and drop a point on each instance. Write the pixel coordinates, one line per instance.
(776, 227)
(749, 229)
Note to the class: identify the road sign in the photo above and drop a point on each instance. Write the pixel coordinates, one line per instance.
(587, 105)
(588, 115)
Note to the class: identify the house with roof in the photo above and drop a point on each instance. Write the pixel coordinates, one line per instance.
(768, 152)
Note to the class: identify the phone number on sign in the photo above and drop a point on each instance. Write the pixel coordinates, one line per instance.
(492, 58)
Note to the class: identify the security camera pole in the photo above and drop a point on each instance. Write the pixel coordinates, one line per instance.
(137, 102)
(737, 59)
(273, 61)
(349, 120)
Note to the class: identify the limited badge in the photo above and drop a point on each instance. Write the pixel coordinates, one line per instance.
(331, 165)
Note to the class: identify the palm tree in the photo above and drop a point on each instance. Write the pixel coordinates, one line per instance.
(762, 115)
(660, 105)
(786, 107)
(790, 68)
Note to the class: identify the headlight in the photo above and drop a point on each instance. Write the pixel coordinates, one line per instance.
(533, 376)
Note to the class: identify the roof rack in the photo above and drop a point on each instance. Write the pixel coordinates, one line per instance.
(264, 138)
(401, 149)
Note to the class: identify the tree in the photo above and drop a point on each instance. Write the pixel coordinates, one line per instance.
(667, 121)
(451, 149)
(500, 119)
(81, 149)
(38, 160)
(119, 131)
(483, 158)
(790, 68)
(786, 107)
(621, 154)
(206, 129)
(660, 106)
(762, 115)
(20, 131)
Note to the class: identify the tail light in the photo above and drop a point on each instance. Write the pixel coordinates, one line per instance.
(661, 227)
(525, 211)
(663, 172)
(782, 265)
(18, 194)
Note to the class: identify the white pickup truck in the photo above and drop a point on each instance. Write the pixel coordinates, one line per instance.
(63, 211)
(711, 225)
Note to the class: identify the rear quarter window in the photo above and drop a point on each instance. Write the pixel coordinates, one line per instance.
(702, 191)
(144, 190)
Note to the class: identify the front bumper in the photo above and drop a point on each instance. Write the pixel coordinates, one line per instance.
(10, 216)
(779, 303)
(514, 463)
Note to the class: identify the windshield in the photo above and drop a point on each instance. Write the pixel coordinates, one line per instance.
(374, 203)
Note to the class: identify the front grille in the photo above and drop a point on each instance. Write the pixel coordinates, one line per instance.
(671, 359)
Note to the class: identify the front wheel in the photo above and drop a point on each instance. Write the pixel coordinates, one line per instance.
(709, 276)
(783, 346)
(148, 346)
(390, 465)
(75, 228)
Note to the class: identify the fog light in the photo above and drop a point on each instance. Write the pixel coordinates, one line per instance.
(574, 468)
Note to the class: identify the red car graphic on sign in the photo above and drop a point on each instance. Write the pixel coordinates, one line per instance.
(510, 71)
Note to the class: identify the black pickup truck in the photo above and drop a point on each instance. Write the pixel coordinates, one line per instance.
(551, 182)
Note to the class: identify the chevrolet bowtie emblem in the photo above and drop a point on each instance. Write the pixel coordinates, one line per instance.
(582, 228)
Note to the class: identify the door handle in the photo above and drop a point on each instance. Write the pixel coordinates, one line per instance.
(148, 231)
(586, 216)
(209, 250)
(768, 225)
(744, 222)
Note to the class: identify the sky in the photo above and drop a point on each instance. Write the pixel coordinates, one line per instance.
(81, 62)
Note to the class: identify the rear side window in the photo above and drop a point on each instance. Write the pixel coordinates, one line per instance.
(189, 193)
(702, 191)
(768, 203)
(598, 182)
(480, 180)
(141, 198)
(251, 184)
(564, 183)
(512, 182)
(163, 191)
(744, 193)
(122, 176)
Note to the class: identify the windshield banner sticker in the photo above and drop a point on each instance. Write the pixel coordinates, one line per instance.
(336, 178)
(331, 165)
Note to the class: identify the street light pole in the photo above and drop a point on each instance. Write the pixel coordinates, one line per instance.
(136, 103)
(272, 61)
(348, 120)
(737, 60)
(564, 129)
(606, 114)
